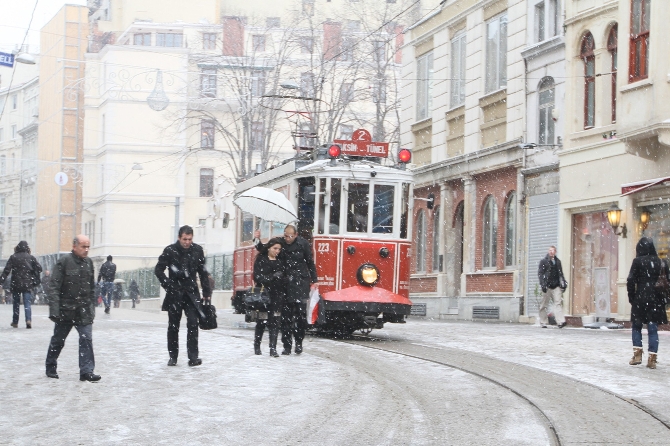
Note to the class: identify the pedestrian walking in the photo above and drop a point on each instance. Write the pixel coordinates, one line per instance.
(184, 260)
(300, 277)
(25, 272)
(553, 283)
(134, 291)
(269, 274)
(118, 294)
(72, 304)
(107, 274)
(647, 302)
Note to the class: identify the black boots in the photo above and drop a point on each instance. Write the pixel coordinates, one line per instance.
(172, 362)
(51, 373)
(298, 348)
(90, 377)
(257, 349)
(107, 310)
(194, 362)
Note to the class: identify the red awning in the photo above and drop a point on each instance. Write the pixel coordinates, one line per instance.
(639, 186)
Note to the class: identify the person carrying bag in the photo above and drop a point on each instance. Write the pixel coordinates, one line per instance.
(269, 274)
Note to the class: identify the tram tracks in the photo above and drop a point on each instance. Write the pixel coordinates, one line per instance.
(573, 411)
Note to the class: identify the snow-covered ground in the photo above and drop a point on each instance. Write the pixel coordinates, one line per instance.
(335, 393)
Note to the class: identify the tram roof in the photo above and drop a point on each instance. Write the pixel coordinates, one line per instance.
(348, 169)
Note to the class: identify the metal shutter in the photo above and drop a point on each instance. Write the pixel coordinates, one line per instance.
(542, 233)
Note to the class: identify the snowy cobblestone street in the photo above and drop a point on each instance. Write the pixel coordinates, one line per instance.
(335, 393)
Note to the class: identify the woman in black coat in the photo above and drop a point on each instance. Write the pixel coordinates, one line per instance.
(25, 271)
(269, 274)
(647, 304)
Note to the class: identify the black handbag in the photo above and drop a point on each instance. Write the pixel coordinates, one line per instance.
(209, 321)
(257, 299)
(662, 284)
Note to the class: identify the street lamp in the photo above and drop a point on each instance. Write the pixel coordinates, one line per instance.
(645, 216)
(158, 100)
(614, 217)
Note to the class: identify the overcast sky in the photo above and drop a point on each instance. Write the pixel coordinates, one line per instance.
(14, 20)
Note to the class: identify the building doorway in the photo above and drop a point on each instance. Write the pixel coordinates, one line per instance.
(458, 247)
(595, 254)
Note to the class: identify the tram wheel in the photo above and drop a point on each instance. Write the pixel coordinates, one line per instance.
(366, 331)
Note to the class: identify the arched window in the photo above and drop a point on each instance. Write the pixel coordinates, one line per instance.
(490, 236)
(420, 241)
(640, 19)
(612, 44)
(546, 103)
(436, 239)
(510, 230)
(588, 56)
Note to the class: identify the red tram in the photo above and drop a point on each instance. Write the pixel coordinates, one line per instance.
(355, 212)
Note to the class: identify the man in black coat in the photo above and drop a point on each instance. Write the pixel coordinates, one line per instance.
(25, 276)
(553, 283)
(72, 304)
(107, 274)
(184, 260)
(298, 260)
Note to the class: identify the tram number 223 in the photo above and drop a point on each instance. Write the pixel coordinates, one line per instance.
(323, 247)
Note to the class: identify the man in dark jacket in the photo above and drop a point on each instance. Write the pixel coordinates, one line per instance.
(25, 276)
(183, 259)
(553, 283)
(72, 304)
(298, 260)
(107, 274)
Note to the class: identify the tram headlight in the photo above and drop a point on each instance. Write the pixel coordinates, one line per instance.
(368, 274)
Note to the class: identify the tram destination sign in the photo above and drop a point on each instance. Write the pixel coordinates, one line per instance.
(361, 144)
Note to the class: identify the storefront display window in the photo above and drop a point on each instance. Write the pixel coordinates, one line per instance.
(594, 252)
(659, 228)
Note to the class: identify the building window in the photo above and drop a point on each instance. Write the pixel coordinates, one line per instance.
(353, 26)
(553, 15)
(14, 132)
(2, 135)
(143, 39)
(208, 83)
(306, 45)
(612, 44)
(436, 239)
(420, 241)
(207, 134)
(346, 131)
(347, 92)
(308, 7)
(257, 83)
(490, 235)
(424, 86)
(258, 42)
(172, 40)
(639, 40)
(3, 165)
(15, 101)
(458, 71)
(588, 56)
(206, 182)
(257, 135)
(209, 41)
(510, 230)
(273, 22)
(347, 52)
(307, 84)
(539, 22)
(379, 51)
(546, 97)
(496, 53)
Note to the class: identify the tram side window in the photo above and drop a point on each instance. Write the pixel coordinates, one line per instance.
(247, 226)
(335, 198)
(404, 210)
(357, 212)
(382, 209)
(265, 228)
(322, 206)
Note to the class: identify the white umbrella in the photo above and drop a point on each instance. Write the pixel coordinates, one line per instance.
(267, 204)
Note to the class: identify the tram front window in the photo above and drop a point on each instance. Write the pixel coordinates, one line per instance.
(357, 211)
(382, 209)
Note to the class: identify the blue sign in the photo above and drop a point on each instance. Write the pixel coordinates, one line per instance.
(6, 60)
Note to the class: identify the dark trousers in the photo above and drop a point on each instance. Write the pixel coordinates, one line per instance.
(273, 328)
(174, 320)
(107, 290)
(293, 323)
(86, 358)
